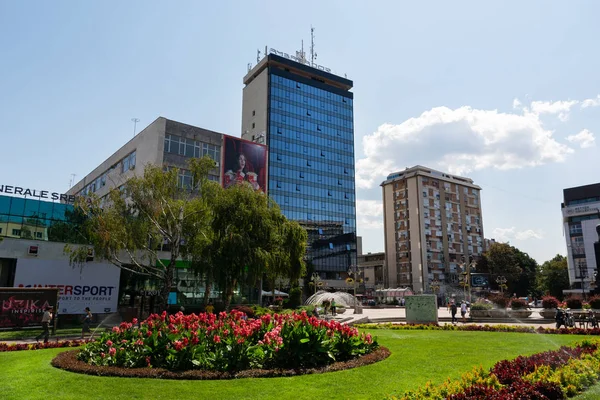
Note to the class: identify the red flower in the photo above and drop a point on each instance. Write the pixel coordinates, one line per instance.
(217, 339)
(109, 343)
(112, 351)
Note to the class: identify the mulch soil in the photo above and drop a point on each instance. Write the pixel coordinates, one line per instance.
(68, 361)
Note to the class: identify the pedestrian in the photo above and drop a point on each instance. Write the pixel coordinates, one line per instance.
(463, 311)
(46, 318)
(447, 303)
(333, 312)
(209, 307)
(87, 320)
(453, 311)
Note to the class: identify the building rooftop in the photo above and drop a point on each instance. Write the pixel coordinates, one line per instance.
(424, 171)
(315, 72)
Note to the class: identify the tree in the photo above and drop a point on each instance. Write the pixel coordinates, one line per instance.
(553, 276)
(251, 237)
(517, 267)
(146, 213)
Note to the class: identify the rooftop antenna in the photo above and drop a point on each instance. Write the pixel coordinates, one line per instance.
(257, 56)
(72, 181)
(313, 54)
(135, 121)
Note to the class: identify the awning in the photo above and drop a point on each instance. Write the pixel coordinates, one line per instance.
(277, 293)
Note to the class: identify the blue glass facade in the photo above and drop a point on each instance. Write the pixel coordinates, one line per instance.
(311, 165)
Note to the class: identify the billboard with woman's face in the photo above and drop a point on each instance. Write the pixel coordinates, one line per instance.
(244, 162)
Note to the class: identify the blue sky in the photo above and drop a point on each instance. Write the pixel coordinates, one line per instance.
(435, 84)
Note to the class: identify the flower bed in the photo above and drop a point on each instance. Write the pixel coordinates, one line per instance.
(549, 375)
(483, 328)
(39, 346)
(227, 343)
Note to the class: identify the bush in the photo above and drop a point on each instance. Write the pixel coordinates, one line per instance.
(549, 302)
(518, 304)
(227, 342)
(249, 311)
(500, 301)
(481, 306)
(295, 299)
(574, 303)
(595, 302)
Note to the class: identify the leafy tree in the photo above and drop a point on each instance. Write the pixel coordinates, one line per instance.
(517, 267)
(251, 238)
(148, 212)
(553, 276)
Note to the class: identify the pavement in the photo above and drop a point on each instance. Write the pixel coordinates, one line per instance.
(398, 314)
(388, 314)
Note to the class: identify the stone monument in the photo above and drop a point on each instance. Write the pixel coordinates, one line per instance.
(421, 309)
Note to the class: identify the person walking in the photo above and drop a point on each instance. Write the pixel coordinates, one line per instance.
(46, 318)
(453, 310)
(87, 320)
(463, 311)
(333, 312)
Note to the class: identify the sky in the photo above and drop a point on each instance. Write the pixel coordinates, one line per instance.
(504, 92)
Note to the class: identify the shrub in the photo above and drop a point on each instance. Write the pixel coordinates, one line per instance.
(249, 311)
(481, 306)
(295, 299)
(595, 302)
(518, 304)
(549, 302)
(227, 342)
(574, 303)
(500, 301)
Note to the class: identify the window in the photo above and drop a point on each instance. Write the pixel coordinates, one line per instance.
(253, 113)
(38, 235)
(128, 162)
(253, 125)
(0, 230)
(16, 232)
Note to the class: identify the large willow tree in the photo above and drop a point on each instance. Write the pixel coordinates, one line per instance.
(230, 237)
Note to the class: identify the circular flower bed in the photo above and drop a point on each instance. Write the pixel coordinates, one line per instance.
(223, 345)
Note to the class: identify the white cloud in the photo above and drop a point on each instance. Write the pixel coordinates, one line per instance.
(585, 139)
(516, 103)
(591, 102)
(369, 214)
(458, 141)
(562, 108)
(507, 234)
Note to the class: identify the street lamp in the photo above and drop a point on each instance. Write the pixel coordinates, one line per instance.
(435, 286)
(316, 281)
(501, 281)
(583, 272)
(467, 268)
(353, 271)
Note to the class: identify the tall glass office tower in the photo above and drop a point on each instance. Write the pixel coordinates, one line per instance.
(305, 116)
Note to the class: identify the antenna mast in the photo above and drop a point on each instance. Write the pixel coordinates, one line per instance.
(313, 55)
(72, 180)
(135, 121)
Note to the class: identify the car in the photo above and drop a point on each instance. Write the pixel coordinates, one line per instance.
(537, 303)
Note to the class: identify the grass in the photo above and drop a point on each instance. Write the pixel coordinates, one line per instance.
(32, 333)
(417, 356)
(592, 394)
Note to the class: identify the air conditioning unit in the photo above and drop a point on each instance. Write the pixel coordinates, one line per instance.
(217, 164)
(33, 250)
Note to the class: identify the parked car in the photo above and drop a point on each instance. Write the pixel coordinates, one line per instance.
(537, 303)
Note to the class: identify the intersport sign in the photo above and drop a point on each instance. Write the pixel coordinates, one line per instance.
(96, 285)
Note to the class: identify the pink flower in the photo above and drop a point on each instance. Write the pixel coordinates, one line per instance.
(109, 343)
(116, 329)
(217, 339)
(134, 321)
(112, 351)
(103, 355)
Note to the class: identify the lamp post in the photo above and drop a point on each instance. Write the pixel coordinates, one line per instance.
(316, 281)
(435, 286)
(501, 281)
(582, 273)
(354, 272)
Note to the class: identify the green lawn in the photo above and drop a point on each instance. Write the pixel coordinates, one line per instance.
(417, 356)
(32, 333)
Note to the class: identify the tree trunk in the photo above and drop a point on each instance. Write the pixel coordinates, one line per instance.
(207, 287)
(167, 284)
(229, 294)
